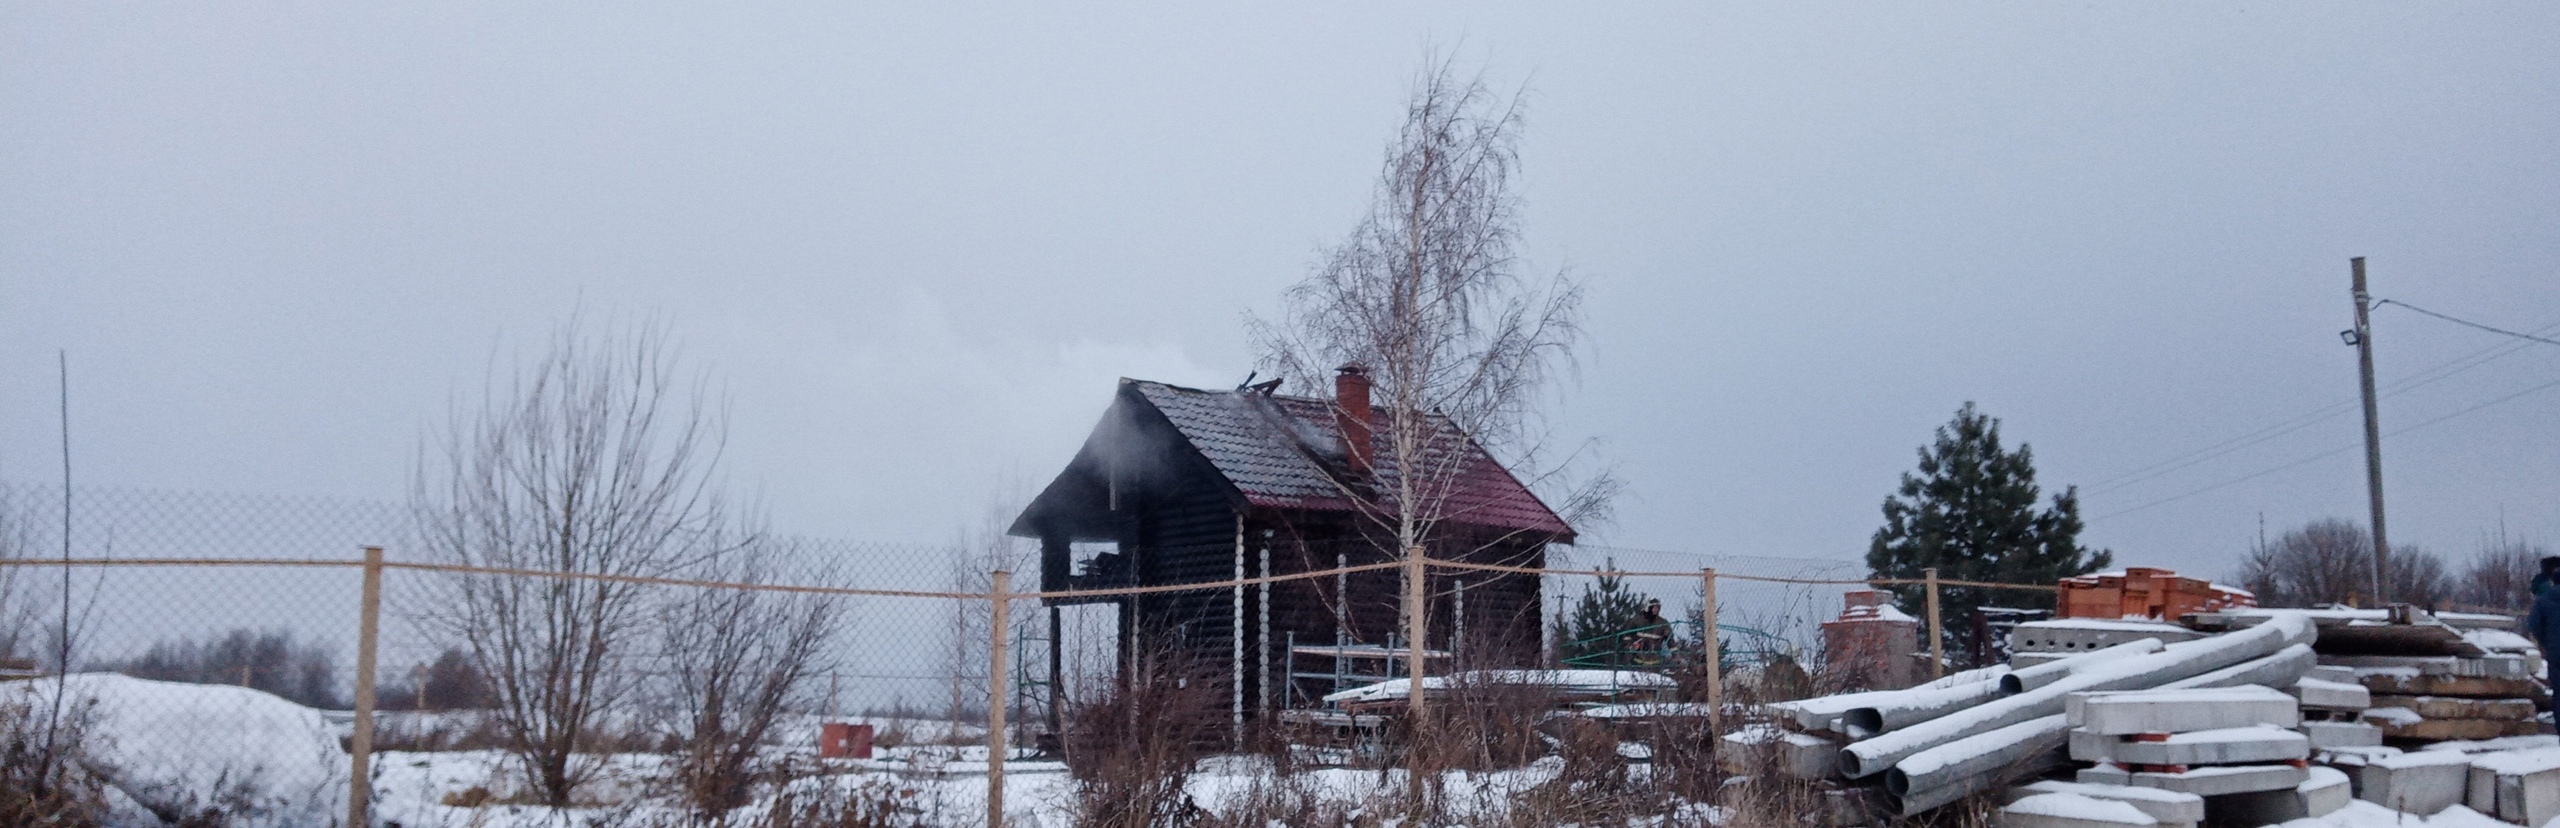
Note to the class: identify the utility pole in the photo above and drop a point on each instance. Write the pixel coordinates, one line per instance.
(2362, 338)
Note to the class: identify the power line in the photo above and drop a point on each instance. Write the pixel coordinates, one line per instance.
(2423, 378)
(2468, 323)
(2323, 455)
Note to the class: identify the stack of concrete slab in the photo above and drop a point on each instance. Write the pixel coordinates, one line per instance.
(2233, 747)
(2333, 706)
(2438, 698)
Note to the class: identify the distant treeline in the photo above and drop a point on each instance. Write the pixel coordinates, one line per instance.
(306, 672)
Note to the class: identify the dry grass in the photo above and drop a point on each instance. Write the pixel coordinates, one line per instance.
(1133, 749)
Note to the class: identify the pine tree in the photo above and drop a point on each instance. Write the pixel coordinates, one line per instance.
(1970, 511)
(1605, 608)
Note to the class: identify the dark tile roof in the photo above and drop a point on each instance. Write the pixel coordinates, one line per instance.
(1283, 452)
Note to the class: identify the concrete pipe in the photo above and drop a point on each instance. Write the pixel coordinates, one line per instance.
(2176, 661)
(2020, 681)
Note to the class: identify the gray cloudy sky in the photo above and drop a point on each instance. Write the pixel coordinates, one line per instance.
(917, 244)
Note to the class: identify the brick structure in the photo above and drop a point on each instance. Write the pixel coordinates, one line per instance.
(1871, 645)
(2145, 592)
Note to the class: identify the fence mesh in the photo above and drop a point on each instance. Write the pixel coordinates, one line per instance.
(215, 637)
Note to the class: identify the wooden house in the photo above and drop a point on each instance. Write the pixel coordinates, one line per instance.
(1183, 485)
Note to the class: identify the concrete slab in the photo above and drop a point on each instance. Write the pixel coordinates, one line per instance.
(2442, 730)
(2450, 707)
(2065, 810)
(1792, 754)
(2325, 790)
(2230, 779)
(2326, 735)
(2228, 746)
(2165, 806)
(2332, 672)
(2492, 666)
(2103, 775)
(2419, 783)
(2180, 711)
(2332, 695)
(2517, 786)
(2421, 684)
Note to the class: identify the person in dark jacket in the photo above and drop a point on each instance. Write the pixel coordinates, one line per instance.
(2542, 623)
(2542, 580)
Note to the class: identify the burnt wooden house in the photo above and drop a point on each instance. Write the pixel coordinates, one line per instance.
(1183, 485)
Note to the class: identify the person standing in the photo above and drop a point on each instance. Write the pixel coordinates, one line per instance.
(2543, 624)
(2542, 580)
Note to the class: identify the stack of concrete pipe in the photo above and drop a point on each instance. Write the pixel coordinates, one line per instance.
(1936, 744)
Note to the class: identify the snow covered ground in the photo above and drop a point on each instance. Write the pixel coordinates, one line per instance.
(165, 749)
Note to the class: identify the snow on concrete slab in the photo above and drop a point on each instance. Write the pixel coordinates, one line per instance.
(2178, 711)
(2071, 810)
(2332, 695)
(2453, 707)
(2393, 716)
(2163, 805)
(2503, 743)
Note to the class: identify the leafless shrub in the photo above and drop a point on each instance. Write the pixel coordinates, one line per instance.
(599, 462)
(44, 776)
(1482, 726)
(1133, 748)
(740, 657)
(2330, 561)
(2500, 576)
(2419, 577)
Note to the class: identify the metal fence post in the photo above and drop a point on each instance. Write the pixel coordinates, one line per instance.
(360, 747)
(1000, 613)
(1714, 651)
(1937, 641)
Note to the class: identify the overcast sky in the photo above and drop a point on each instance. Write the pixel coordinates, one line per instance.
(917, 245)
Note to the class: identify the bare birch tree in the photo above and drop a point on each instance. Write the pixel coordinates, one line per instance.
(597, 461)
(1427, 296)
(740, 658)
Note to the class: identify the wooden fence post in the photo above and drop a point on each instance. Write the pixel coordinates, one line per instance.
(1415, 625)
(1000, 612)
(360, 747)
(1714, 652)
(1937, 641)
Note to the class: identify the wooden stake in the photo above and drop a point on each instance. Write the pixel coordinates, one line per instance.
(1937, 643)
(1714, 652)
(360, 747)
(1000, 613)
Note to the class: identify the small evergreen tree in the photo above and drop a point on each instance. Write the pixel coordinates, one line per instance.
(1970, 512)
(1604, 608)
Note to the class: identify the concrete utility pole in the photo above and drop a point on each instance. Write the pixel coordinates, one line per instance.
(2362, 337)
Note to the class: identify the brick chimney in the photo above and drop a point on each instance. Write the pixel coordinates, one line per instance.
(1351, 416)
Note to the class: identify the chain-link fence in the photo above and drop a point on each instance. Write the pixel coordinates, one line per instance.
(192, 652)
